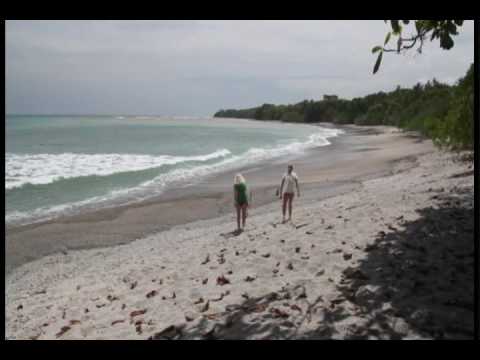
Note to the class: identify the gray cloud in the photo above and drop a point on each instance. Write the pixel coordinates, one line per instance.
(197, 67)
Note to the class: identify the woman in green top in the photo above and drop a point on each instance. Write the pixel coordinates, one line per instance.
(241, 199)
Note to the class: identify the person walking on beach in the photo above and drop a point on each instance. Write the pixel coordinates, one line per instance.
(287, 191)
(241, 199)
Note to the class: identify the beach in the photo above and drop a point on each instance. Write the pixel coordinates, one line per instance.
(381, 215)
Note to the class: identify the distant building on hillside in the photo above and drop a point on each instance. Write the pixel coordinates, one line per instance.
(330, 97)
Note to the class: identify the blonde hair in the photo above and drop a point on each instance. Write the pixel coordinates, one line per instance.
(239, 179)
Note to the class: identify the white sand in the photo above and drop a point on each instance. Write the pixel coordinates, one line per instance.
(85, 292)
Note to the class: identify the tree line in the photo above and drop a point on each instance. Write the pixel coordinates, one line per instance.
(439, 111)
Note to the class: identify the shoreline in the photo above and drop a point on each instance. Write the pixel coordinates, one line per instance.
(211, 198)
(360, 264)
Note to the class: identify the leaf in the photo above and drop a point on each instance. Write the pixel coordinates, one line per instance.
(446, 42)
(387, 38)
(377, 63)
(396, 26)
(376, 48)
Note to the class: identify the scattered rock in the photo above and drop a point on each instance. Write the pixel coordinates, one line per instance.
(133, 285)
(74, 322)
(347, 256)
(267, 255)
(222, 280)
(309, 232)
(329, 227)
(112, 298)
(205, 307)
(352, 273)
(199, 301)
(296, 307)
(297, 249)
(20, 307)
(290, 266)
(400, 326)
(367, 294)
(190, 316)
(371, 247)
(207, 259)
(151, 294)
(277, 313)
(138, 312)
(249, 278)
(62, 331)
(170, 333)
(204, 281)
(123, 307)
(320, 273)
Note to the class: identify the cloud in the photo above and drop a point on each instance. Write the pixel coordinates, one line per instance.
(197, 67)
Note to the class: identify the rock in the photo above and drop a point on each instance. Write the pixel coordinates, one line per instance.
(204, 281)
(222, 280)
(62, 331)
(205, 307)
(320, 273)
(207, 259)
(329, 227)
(371, 247)
(117, 322)
(170, 333)
(267, 255)
(309, 232)
(249, 278)
(277, 313)
(400, 326)
(367, 294)
(151, 294)
(422, 317)
(297, 249)
(199, 301)
(138, 312)
(190, 316)
(347, 256)
(290, 266)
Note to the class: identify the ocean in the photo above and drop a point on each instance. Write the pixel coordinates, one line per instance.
(56, 165)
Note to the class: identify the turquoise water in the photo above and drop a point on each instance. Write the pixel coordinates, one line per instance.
(61, 164)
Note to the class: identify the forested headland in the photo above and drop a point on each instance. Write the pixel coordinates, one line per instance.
(439, 111)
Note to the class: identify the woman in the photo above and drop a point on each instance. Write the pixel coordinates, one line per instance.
(241, 199)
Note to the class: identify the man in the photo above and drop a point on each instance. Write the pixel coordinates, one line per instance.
(289, 180)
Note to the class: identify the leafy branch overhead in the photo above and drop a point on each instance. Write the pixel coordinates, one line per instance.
(424, 30)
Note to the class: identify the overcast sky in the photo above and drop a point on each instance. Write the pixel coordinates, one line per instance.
(190, 68)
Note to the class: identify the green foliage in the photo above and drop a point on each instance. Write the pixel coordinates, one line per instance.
(443, 30)
(439, 111)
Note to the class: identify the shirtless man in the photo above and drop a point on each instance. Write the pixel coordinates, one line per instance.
(287, 193)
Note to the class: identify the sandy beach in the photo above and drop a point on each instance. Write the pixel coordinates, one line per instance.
(380, 247)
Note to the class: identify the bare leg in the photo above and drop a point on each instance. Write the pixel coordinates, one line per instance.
(238, 217)
(290, 200)
(244, 214)
(284, 206)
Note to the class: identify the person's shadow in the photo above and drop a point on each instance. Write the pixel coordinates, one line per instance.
(231, 234)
